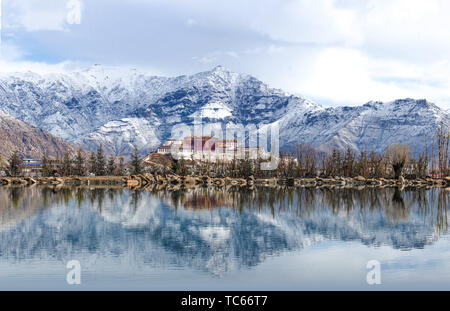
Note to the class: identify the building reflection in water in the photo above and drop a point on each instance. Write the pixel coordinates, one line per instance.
(212, 229)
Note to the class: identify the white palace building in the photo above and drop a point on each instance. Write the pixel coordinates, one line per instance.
(210, 149)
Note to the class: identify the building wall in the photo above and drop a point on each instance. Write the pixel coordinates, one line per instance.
(210, 149)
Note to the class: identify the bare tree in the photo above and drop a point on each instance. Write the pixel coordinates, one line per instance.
(442, 142)
(398, 155)
(306, 158)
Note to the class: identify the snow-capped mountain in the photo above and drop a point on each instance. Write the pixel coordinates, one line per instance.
(119, 108)
(373, 126)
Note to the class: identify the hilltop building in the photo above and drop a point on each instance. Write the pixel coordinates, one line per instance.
(210, 149)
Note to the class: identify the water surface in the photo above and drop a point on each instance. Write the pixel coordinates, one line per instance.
(206, 239)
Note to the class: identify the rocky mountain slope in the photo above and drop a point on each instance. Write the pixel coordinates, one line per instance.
(374, 125)
(120, 108)
(29, 140)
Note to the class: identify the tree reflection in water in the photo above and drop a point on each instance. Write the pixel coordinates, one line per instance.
(211, 228)
(396, 204)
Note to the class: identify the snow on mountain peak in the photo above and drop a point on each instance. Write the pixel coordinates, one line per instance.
(119, 107)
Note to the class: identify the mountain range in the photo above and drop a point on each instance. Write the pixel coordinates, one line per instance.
(119, 108)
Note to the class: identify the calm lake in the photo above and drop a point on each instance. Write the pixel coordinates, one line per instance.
(205, 239)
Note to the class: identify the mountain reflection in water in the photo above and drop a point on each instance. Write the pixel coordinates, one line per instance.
(210, 230)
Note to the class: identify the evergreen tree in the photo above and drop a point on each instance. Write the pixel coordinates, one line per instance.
(174, 165)
(121, 171)
(100, 162)
(66, 169)
(349, 162)
(111, 166)
(136, 167)
(92, 163)
(79, 164)
(15, 164)
(46, 168)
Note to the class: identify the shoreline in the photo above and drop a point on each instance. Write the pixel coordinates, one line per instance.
(169, 181)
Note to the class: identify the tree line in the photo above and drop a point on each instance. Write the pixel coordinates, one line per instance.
(304, 161)
(97, 164)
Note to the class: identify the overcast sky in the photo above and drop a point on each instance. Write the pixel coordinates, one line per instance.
(333, 51)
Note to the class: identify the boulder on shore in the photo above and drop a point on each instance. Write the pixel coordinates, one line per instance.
(359, 178)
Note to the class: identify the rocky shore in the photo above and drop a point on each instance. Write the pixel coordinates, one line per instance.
(147, 179)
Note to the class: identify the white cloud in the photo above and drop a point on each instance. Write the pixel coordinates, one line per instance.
(39, 15)
(215, 57)
(191, 22)
(343, 51)
(38, 67)
(412, 29)
(349, 76)
(299, 21)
